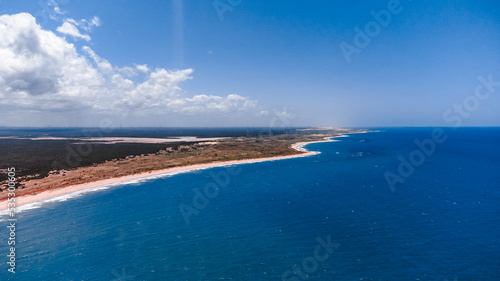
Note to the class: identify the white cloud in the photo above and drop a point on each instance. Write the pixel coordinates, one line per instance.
(88, 25)
(127, 71)
(144, 68)
(41, 72)
(95, 21)
(283, 114)
(69, 28)
(72, 27)
(57, 11)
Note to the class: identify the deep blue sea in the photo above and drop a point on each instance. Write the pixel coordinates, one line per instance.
(332, 216)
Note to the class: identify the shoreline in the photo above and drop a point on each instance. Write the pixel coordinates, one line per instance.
(48, 195)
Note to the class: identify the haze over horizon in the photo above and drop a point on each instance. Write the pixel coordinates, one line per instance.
(249, 64)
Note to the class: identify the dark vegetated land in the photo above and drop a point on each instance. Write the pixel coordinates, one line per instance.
(36, 158)
(31, 157)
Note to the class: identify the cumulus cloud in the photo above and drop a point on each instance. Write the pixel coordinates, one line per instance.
(42, 72)
(143, 67)
(70, 28)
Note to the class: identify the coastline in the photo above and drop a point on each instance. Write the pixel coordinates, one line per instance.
(94, 185)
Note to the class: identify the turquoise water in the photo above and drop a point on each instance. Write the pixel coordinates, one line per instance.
(331, 216)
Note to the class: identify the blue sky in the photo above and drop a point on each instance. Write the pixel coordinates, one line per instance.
(265, 63)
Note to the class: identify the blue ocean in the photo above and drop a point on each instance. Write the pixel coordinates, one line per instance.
(371, 206)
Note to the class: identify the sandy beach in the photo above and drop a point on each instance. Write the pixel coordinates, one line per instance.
(50, 194)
